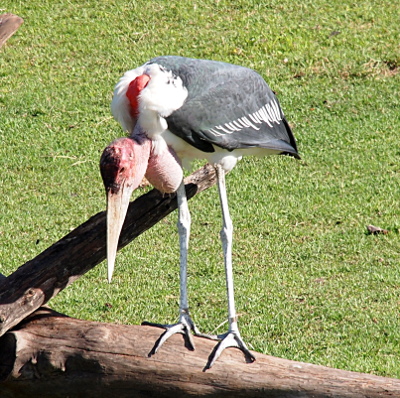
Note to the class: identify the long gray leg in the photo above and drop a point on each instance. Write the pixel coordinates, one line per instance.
(232, 338)
(185, 323)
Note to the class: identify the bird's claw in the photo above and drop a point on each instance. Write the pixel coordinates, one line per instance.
(169, 331)
(229, 339)
(184, 326)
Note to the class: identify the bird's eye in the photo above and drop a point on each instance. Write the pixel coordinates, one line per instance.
(122, 169)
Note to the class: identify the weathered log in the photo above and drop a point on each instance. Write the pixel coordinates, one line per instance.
(40, 279)
(9, 24)
(51, 355)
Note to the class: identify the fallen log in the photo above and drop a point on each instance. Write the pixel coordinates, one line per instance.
(9, 24)
(51, 355)
(40, 279)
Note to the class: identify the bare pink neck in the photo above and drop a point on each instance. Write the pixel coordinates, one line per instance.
(141, 153)
(162, 169)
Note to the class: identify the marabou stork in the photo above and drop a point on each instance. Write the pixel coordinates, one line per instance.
(177, 109)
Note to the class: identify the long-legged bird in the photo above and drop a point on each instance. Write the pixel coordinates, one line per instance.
(174, 110)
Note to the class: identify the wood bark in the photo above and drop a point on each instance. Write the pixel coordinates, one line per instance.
(40, 279)
(9, 24)
(51, 355)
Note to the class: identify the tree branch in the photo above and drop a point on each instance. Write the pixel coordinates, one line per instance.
(42, 278)
(50, 355)
(9, 24)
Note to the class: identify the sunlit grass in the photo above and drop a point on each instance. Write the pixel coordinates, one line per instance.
(310, 283)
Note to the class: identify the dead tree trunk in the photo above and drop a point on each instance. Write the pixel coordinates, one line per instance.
(51, 355)
(9, 24)
(40, 279)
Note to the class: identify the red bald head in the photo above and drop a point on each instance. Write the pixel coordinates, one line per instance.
(116, 164)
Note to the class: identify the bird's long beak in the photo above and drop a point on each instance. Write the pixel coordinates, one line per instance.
(117, 206)
(122, 165)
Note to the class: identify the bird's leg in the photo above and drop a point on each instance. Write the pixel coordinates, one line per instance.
(185, 324)
(232, 338)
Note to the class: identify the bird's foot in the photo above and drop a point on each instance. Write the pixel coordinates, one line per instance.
(184, 326)
(230, 339)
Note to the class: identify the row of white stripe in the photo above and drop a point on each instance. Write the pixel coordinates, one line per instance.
(269, 114)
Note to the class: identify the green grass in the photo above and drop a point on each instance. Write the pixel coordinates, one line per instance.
(311, 285)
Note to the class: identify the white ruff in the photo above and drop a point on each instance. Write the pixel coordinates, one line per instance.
(163, 95)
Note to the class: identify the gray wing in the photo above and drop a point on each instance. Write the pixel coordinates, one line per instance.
(227, 105)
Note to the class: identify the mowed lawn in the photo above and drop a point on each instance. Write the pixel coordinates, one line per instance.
(311, 284)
